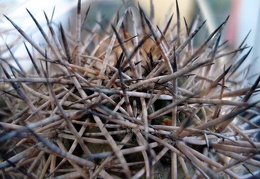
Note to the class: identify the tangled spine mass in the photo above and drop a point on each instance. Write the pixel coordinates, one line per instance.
(135, 101)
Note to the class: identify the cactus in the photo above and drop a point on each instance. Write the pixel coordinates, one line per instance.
(132, 102)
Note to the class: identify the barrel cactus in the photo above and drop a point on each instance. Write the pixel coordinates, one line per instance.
(134, 101)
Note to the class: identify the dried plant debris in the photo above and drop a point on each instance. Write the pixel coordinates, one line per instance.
(133, 102)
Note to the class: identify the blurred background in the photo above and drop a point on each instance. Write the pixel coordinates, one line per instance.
(244, 18)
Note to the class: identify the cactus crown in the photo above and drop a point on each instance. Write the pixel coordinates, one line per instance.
(135, 101)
